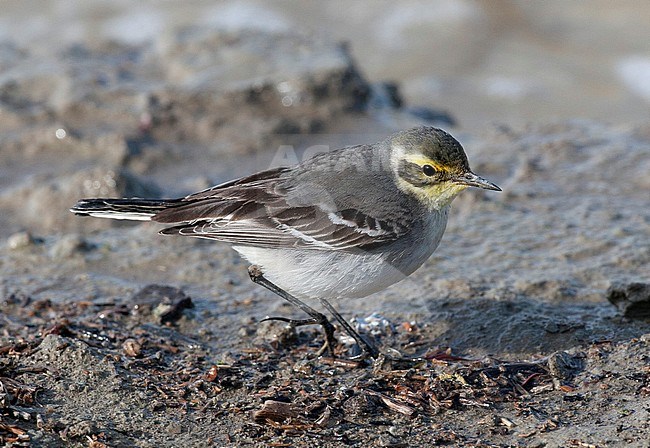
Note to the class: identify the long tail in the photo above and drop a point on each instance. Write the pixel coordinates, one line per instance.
(134, 209)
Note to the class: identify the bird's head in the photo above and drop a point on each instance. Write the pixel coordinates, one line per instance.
(431, 164)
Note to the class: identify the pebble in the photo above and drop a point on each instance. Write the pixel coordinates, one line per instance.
(20, 240)
(132, 348)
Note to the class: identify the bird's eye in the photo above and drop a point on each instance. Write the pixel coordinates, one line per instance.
(428, 170)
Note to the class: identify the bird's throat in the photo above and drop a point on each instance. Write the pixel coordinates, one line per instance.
(435, 197)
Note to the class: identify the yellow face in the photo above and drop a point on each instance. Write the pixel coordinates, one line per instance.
(432, 166)
(430, 181)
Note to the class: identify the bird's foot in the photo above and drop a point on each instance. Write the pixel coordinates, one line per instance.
(328, 329)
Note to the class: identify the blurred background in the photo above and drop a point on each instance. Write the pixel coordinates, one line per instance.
(481, 61)
(162, 98)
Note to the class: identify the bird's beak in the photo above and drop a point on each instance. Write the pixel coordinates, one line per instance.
(473, 180)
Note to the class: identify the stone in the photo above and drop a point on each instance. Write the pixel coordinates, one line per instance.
(632, 299)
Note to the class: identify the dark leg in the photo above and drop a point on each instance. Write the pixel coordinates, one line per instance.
(367, 348)
(316, 318)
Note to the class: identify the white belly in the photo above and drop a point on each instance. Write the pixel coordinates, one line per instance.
(317, 273)
(338, 274)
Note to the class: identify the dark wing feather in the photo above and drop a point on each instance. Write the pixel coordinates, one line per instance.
(260, 210)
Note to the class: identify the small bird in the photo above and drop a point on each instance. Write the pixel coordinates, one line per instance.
(341, 225)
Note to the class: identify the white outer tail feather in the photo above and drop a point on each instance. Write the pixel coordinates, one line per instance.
(128, 216)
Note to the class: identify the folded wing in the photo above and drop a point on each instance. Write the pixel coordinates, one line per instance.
(258, 211)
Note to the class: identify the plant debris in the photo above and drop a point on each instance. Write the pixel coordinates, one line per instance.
(122, 358)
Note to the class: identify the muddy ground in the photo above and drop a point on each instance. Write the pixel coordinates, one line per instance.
(530, 321)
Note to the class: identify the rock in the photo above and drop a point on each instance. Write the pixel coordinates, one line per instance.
(563, 366)
(632, 299)
(199, 84)
(165, 303)
(132, 348)
(279, 334)
(275, 411)
(20, 240)
(246, 86)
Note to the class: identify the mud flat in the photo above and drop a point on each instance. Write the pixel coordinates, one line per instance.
(111, 335)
